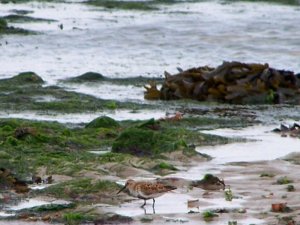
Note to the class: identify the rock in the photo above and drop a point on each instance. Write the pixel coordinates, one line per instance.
(89, 76)
(28, 77)
(114, 219)
(135, 141)
(103, 122)
(209, 183)
(22, 132)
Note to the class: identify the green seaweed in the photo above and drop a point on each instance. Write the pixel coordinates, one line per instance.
(103, 122)
(283, 2)
(25, 19)
(61, 149)
(146, 220)
(228, 195)
(144, 141)
(205, 122)
(21, 11)
(267, 175)
(5, 29)
(162, 167)
(290, 188)
(114, 219)
(135, 141)
(208, 215)
(24, 78)
(80, 187)
(125, 5)
(284, 180)
(89, 77)
(25, 1)
(134, 5)
(3, 24)
(48, 208)
(74, 218)
(22, 92)
(112, 157)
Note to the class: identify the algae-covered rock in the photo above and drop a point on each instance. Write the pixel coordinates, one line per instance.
(5, 29)
(4, 154)
(135, 141)
(151, 124)
(81, 187)
(23, 19)
(209, 182)
(149, 141)
(24, 78)
(114, 219)
(28, 77)
(164, 168)
(89, 76)
(26, 92)
(126, 5)
(3, 24)
(21, 11)
(103, 122)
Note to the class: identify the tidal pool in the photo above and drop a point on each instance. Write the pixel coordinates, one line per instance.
(263, 145)
(266, 145)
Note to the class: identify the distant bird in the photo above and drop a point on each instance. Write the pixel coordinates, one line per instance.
(146, 189)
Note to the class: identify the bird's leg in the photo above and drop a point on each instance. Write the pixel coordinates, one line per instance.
(145, 212)
(153, 203)
(142, 206)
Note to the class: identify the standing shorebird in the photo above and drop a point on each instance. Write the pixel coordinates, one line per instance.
(146, 189)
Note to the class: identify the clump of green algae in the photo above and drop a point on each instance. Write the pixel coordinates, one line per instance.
(27, 145)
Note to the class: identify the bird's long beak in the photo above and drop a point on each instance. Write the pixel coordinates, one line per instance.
(123, 188)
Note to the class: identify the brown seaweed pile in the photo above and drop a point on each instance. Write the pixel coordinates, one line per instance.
(9, 180)
(292, 131)
(232, 82)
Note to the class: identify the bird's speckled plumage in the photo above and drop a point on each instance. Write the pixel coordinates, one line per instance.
(146, 189)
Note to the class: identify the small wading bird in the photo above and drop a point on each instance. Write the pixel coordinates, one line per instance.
(146, 189)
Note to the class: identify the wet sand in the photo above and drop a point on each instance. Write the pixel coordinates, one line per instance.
(253, 193)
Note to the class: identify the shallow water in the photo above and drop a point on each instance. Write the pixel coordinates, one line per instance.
(13, 222)
(9, 210)
(109, 91)
(77, 118)
(265, 145)
(269, 145)
(120, 43)
(34, 203)
(166, 205)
